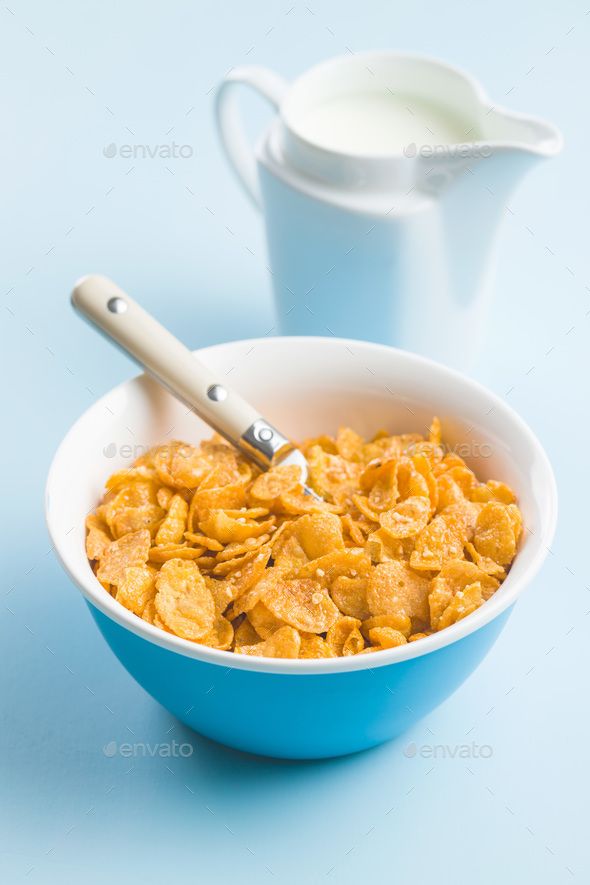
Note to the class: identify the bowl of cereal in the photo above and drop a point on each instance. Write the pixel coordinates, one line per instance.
(283, 624)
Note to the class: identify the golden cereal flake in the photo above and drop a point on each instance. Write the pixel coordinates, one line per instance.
(183, 600)
(395, 588)
(130, 550)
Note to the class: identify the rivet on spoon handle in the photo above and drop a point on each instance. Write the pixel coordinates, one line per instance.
(99, 300)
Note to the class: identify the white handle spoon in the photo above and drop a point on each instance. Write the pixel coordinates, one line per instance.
(121, 319)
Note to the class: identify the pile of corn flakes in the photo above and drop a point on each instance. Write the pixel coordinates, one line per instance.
(404, 542)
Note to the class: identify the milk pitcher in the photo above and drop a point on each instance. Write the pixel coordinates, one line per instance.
(382, 180)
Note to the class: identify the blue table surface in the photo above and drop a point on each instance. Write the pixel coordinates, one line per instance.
(77, 77)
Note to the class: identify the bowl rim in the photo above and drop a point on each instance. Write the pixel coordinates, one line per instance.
(95, 594)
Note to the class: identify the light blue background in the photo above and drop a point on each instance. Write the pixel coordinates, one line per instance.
(181, 237)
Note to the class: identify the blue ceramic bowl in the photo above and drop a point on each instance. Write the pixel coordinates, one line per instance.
(310, 708)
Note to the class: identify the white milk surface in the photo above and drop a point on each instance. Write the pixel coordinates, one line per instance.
(378, 123)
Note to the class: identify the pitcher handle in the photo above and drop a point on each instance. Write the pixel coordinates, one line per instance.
(231, 131)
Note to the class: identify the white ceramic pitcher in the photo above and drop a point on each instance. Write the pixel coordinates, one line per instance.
(390, 246)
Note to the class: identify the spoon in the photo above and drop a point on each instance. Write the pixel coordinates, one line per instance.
(100, 301)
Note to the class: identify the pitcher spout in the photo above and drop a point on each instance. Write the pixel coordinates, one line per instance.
(505, 130)
(502, 147)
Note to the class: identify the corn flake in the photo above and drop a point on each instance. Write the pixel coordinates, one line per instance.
(183, 600)
(174, 525)
(137, 588)
(395, 588)
(495, 533)
(130, 550)
(98, 537)
(314, 646)
(339, 633)
(301, 603)
(407, 518)
(386, 637)
(284, 643)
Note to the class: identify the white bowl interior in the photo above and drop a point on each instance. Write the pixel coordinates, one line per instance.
(307, 386)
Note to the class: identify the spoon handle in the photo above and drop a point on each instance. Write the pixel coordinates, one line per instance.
(121, 319)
